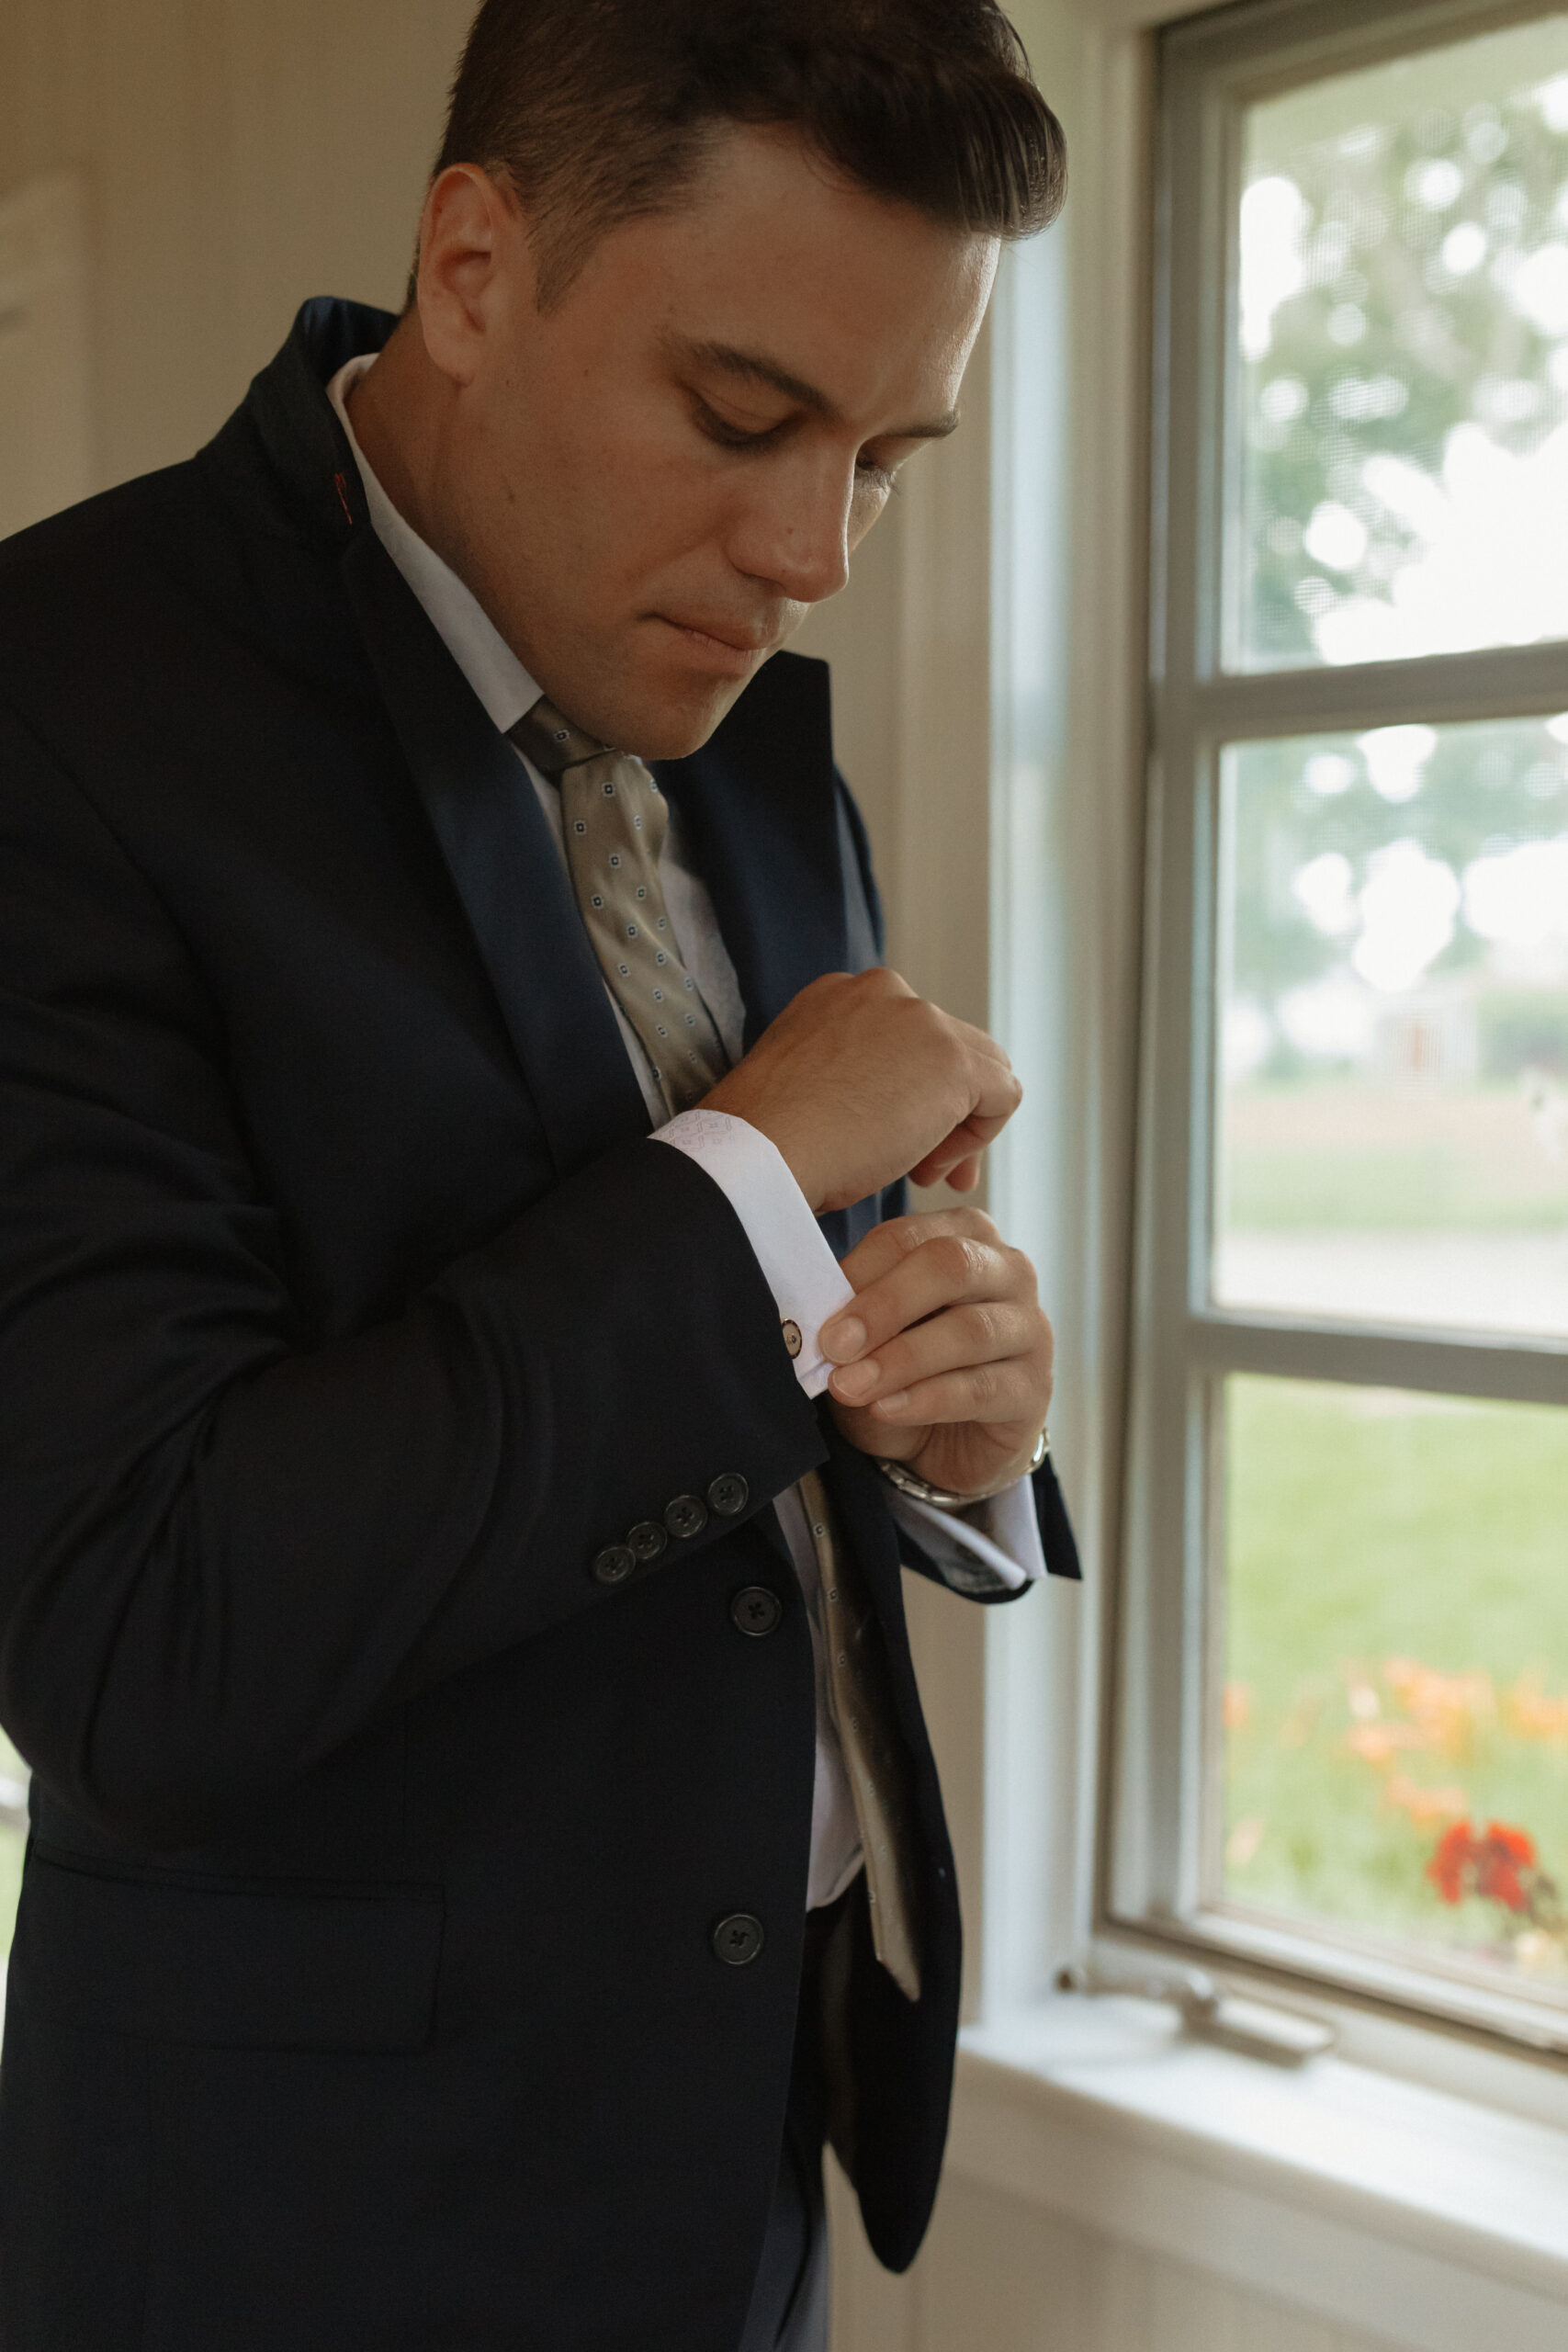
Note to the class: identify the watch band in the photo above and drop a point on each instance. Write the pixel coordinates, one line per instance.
(920, 1490)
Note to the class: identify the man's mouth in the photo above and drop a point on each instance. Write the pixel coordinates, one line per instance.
(727, 644)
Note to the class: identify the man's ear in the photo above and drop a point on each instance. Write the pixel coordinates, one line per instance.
(475, 263)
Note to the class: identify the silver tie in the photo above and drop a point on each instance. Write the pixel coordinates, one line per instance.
(615, 819)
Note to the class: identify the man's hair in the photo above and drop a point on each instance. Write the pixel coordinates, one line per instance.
(600, 111)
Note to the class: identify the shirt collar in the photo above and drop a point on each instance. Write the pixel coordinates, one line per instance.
(491, 667)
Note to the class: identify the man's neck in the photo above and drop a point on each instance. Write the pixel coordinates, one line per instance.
(394, 410)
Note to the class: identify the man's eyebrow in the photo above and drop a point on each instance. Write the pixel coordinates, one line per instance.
(756, 367)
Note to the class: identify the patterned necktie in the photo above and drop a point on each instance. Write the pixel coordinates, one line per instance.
(615, 817)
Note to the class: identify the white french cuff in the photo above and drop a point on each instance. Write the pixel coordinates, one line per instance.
(994, 1546)
(797, 1265)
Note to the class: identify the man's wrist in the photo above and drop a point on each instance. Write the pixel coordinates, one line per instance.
(736, 1097)
(920, 1490)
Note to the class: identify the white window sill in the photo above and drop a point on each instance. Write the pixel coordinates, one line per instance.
(1374, 2203)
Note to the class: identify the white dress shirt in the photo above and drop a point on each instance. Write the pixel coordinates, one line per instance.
(991, 1547)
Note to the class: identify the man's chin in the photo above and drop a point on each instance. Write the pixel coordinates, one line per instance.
(672, 722)
(660, 710)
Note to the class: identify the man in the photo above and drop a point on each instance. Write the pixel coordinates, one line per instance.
(484, 1832)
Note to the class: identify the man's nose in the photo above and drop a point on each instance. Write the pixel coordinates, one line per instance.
(794, 532)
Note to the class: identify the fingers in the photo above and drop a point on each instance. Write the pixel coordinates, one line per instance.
(955, 1151)
(893, 1242)
(998, 1089)
(963, 1145)
(944, 1356)
(997, 1093)
(1004, 1392)
(938, 1298)
(993, 1346)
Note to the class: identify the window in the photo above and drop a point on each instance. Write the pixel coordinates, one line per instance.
(1342, 1728)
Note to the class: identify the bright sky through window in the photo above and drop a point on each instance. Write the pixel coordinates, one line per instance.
(1403, 327)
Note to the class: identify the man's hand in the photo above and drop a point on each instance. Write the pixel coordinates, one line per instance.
(860, 1081)
(944, 1358)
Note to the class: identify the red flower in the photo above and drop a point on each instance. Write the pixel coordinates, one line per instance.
(1464, 1865)
(1500, 1882)
(1451, 1860)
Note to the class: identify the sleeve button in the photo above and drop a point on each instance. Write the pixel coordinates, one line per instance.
(646, 1540)
(729, 1494)
(614, 1565)
(791, 1337)
(686, 1516)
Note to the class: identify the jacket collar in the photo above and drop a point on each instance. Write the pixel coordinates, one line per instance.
(288, 410)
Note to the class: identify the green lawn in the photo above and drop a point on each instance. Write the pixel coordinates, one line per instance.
(1367, 1531)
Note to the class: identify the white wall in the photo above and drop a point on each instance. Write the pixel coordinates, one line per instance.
(999, 2275)
(237, 156)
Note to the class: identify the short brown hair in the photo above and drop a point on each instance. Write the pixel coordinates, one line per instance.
(601, 110)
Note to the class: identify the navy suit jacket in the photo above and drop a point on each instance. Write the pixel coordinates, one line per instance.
(363, 1990)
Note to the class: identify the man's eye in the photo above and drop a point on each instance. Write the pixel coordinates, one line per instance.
(875, 477)
(731, 437)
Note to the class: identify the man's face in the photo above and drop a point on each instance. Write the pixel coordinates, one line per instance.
(647, 485)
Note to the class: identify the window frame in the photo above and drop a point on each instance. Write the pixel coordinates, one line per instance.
(1166, 1641)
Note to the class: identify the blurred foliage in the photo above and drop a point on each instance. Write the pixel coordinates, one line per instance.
(1485, 788)
(1388, 347)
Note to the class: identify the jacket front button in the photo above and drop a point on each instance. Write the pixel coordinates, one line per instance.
(613, 1563)
(729, 1494)
(687, 1515)
(738, 1940)
(756, 1611)
(647, 1539)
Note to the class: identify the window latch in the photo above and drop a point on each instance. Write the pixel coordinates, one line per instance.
(1265, 2030)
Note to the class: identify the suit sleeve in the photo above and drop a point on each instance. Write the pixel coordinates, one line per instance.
(223, 1551)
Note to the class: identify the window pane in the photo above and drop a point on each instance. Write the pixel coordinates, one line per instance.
(1393, 1106)
(13, 1836)
(1395, 1701)
(1403, 387)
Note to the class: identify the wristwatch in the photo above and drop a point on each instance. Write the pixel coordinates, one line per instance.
(920, 1490)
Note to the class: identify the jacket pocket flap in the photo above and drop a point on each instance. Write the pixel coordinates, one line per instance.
(285, 1968)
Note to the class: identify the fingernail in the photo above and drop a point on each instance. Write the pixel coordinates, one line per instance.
(843, 1339)
(888, 1406)
(855, 1380)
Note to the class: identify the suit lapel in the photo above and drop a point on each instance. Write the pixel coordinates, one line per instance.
(759, 808)
(506, 868)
